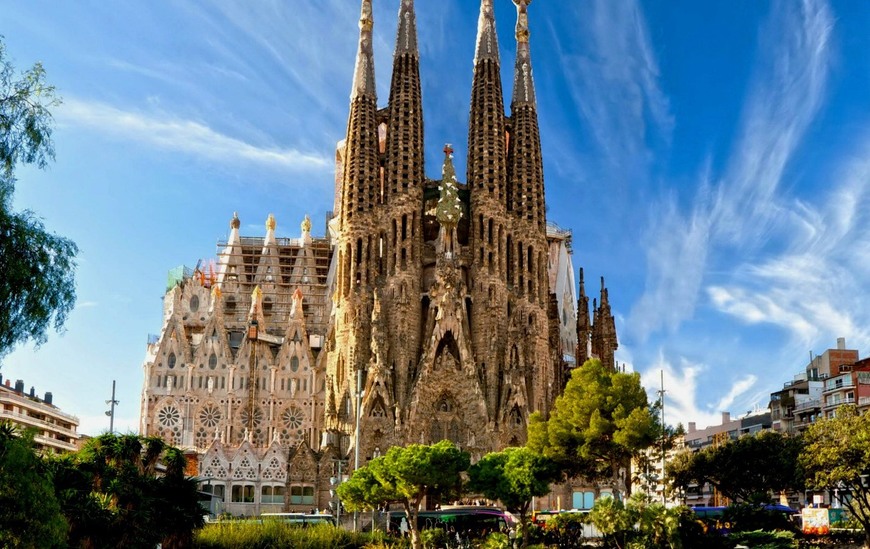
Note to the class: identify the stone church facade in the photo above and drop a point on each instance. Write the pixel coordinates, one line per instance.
(432, 309)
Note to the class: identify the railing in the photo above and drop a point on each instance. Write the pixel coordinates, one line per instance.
(838, 402)
(808, 405)
(19, 417)
(838, 383)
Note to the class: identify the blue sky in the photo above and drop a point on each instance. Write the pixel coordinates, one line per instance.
(711, 158)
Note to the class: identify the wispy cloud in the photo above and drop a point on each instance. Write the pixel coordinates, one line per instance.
(681, 392)
(814, 287)
(740, 209)
(186, 136)
(86, 304)
(614, 81)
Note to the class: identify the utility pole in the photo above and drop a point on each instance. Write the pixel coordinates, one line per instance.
(111, 411)
(662, 400)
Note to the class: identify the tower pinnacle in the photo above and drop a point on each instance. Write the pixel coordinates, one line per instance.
(406, 35)
(487, 40)
(524, 85)
(364, 72)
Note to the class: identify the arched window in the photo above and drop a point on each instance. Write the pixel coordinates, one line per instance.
(170, 362)
(212, 361)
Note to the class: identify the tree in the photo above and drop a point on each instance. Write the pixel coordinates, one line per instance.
(29, 512)
(406, 475)
(749, 469)
(837, 456)
(599, 422)
(127, 491)
(513, 476)
(37, 289)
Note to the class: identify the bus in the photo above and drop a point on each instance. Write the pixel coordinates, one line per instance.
(715, 516)
(468, 521)
(299, 519)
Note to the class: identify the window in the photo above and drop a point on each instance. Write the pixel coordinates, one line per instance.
(212, 361)
(583, 500)
(301, 495)
(294, 363)
(215, 489)
(170, 362)
(194, 304)
(272, 494)
(243, 493)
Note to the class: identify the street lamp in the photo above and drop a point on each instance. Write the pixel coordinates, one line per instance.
(111, 411)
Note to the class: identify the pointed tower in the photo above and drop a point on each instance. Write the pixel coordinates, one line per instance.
(490, 240)
(525, 166)
(604, 342)
(401, 233)
(584, 326)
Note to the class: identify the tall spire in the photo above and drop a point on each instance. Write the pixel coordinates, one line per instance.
(364, 73)
(524, 85)
(525, 188)
(406, 35)
(487, 39)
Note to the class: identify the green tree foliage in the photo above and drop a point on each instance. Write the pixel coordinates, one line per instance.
(29, 512)
(37, 289)
(127, 491)
(750, 469)
(513, 476)
(639, 522)
(599, 422)
(837, 455)
(406, 475)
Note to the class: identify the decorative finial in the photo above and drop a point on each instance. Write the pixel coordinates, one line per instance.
(522, 21)
(487, 40)
(235, 222)
(271, 223)
(306, 224)
(449, 209)
(366, 21)
(364, 72)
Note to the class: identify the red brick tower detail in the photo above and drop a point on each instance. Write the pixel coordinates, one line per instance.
(405, 179)
(489, 235)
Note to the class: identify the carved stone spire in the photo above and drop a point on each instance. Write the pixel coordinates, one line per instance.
(604, 340)
(524, 85)
(584, 328)
(406, 35)
(487, 39)
(364, 73)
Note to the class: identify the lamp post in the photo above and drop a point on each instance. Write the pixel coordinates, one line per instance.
(111, 411)
(662, 397)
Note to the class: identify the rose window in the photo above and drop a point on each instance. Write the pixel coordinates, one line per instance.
(169, 416)
(210, 416)
(246, 417)
(293, 417)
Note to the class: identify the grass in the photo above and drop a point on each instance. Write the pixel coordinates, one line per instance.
(273, 534)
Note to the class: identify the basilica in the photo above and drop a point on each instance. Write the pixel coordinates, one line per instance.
(429, 309)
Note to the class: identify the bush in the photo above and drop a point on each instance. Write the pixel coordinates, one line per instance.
(257, 535)
(759, 539)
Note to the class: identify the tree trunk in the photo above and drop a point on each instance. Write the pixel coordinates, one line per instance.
(524, 525)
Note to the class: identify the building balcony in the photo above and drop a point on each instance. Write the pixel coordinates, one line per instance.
(808, 405)
(40, 424)
(838, 401)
